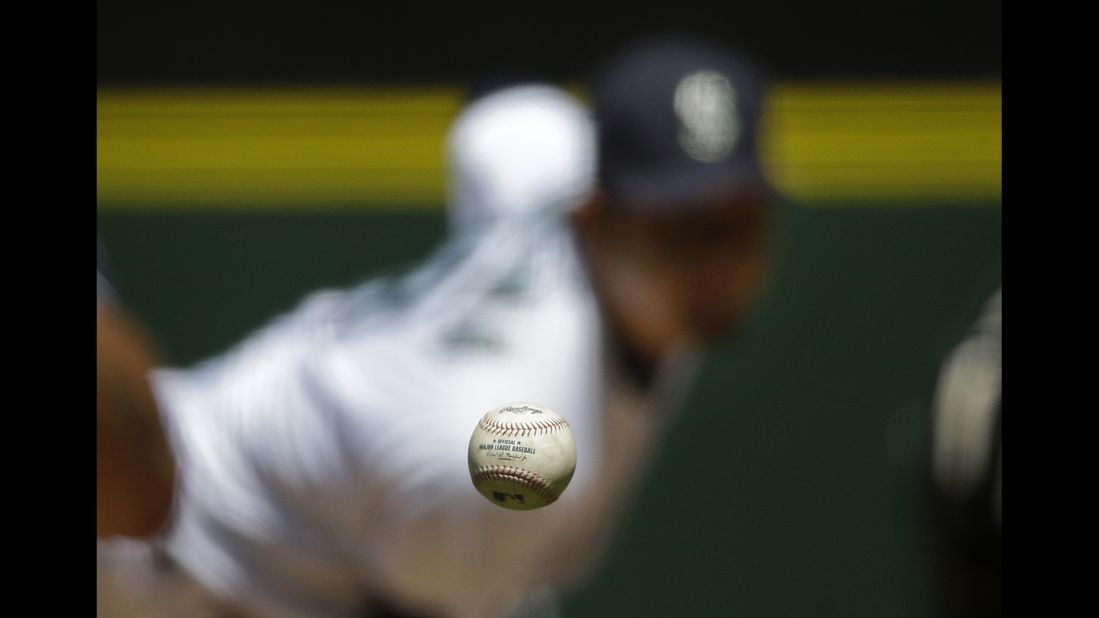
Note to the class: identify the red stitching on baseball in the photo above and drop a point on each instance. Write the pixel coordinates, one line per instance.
(526, 478)
(524, 429)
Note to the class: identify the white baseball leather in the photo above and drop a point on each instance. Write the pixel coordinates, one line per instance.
(522, 456)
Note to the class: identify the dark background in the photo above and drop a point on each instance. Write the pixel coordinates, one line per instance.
(206, 42)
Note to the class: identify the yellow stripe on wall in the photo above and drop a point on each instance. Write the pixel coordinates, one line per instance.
(887, 141)
(355, 147)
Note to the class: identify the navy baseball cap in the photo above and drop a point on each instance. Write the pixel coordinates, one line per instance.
(678, 119)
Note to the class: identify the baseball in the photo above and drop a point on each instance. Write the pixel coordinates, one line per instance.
(522, 456)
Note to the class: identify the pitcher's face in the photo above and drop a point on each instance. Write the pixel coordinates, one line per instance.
(689, 272)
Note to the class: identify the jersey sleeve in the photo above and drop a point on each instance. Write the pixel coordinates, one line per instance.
(266, 482)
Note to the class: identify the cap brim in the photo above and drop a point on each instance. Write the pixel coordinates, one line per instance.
(668, 189)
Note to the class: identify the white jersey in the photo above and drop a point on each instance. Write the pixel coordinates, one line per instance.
(323, 460)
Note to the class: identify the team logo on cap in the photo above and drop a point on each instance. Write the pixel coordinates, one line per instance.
(705, 103)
